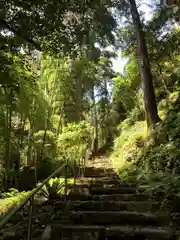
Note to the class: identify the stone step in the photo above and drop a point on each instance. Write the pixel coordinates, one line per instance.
(107, 177)
(98, 187)
(78, 185)
(122, 197)
(106, 181)
(101, 177)
(112, 190)
(98, 172)
(117, 217)
(114, 197)
(113, 232)
(104, 189)
(95, 175)
(111, 182)
(79, 190)
(120, 185)
(108, 206)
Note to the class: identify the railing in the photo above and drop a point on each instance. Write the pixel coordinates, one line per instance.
(30, 198)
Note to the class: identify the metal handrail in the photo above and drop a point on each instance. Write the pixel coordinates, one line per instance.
(30, 199)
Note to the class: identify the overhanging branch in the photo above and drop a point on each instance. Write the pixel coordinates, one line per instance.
(19, 34)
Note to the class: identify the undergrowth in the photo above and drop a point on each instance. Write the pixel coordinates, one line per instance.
(13, 198)
(152, 158)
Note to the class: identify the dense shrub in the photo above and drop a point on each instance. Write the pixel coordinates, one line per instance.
(48, 138)
(75, 140)
(152, 158)
(128, 144)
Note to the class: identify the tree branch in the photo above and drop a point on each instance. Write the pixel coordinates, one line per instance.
(19, 34)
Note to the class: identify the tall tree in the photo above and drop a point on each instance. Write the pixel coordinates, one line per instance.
(145, 69)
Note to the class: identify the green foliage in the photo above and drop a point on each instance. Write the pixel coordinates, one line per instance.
(48, 30)
(46, 166)
(11, 200)
(49, 143)
(128, 145)
(75, 140)
(154, 157)
(162, 153)
(52, 189)
(125, 89)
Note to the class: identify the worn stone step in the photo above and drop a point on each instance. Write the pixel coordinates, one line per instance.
(102, 176)
(92, 172)
(77, 196)
(80, 190)
(122, 197)
(117, 217)
(108, 206)
(125, 188)
(94, 175)
(106, 178)
(114, 197)
(112, 190)
(78, 185)
(103, 189)
(73, 196)
(115, 183)
(115, 232)
(105, 181)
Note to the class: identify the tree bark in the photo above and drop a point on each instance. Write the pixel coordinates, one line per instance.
(59, 129)
(29, 152)
(78, 94)
(7, 138)
(95, 122)
(145, 69)
(29, 161)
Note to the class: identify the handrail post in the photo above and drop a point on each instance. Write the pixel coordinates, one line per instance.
(66, 183)
(31, 208)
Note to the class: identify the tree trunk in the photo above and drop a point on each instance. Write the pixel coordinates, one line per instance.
(44, 139)
(21, 139)
(7, 138)
(29, 152)
(59, 129)
(78, 94)
(145, 69)
(29, 161)
(95, 122)
(105, 128)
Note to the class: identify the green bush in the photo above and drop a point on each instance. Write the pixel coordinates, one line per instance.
(46, 166)
(163, 152)
(50, 144)
(152, 158)
(128, 144)
(53, 188)
(75, 140)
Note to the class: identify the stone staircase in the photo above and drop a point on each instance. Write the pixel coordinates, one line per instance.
(104, 208)
(98, 207)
